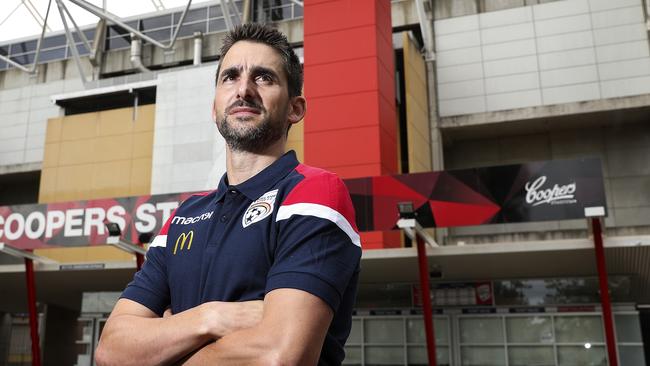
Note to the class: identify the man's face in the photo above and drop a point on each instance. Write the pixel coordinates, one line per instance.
(252, 106)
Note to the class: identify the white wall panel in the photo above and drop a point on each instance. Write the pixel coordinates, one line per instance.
(12, 157)
(461, 89)
(506, 17)
(564, 42)
(455, 25)
(13, 131)
(599, 5)
(12, 144)
(562, 25)
(625, 87)
(507, 66)
(557, 60)
(616, 17)
(462, 106)
(570, 93)
(459, 57)
(11, 119)
(522, 99)
(460, 73)
(35, 142)
(164, 153)
(508, 33)
(624, 69)
(622, 51)
(458, 40)
(572, 75)
(623, 33)
(509, 49)
(34, 155)
(560, 9)
(509, 83)
(36, 127)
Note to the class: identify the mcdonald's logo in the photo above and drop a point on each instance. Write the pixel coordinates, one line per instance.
(182, 239)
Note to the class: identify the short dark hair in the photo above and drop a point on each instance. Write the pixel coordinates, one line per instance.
(262, 33)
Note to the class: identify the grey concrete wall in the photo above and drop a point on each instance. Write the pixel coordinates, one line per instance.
(623, 148)
(25, 106)
(188, 151)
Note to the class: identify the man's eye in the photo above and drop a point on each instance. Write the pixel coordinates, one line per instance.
(228, 78)
(265, 78)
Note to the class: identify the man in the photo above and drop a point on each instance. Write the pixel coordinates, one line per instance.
(274, 230)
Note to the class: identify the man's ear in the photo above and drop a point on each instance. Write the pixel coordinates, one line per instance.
(297, 109)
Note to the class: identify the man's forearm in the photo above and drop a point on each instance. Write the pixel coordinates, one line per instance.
(250, 346)
(134, 340)
(291, 332)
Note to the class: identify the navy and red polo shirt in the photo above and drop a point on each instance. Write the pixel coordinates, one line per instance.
(289, 226)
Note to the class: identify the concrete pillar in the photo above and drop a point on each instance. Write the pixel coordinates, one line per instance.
(351, 122)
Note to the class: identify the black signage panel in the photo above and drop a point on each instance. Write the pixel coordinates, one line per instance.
(537, 191)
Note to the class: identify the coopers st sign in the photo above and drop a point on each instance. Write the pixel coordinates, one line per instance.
(81, 223)
(537, 191)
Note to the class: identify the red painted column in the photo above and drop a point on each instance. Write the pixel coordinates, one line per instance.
(33, 314)
(427, 308)
(351, 123)
(604, 292)
(139, 260)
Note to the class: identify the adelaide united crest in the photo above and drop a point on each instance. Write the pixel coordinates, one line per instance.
(260, 208)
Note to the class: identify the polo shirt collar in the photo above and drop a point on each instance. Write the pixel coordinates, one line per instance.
(256, 186)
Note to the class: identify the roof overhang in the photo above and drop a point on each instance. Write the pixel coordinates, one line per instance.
(108, 97)
(629, 255)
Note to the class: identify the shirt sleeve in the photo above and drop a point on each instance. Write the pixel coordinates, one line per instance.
(149, 286)
(318, 248)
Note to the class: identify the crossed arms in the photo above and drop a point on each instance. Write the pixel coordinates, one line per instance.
(289, 331)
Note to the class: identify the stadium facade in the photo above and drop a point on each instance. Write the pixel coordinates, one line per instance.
(411, 86)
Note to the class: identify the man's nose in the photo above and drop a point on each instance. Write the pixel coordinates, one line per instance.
(246, 88)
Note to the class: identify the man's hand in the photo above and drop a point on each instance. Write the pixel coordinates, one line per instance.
(222, 318)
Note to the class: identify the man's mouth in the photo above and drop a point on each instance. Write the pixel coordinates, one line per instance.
(244, 111)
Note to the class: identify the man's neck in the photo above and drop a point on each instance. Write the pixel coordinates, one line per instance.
(243, 165)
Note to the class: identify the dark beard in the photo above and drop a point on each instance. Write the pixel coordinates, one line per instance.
(254, 139)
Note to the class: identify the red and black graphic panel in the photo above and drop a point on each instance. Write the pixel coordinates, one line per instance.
(538, 191)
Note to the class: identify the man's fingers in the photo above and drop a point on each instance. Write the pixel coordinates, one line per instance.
(168, 312)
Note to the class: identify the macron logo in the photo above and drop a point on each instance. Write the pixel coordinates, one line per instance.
(182, 220)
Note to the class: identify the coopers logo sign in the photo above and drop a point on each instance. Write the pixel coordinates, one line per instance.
(537, 194)
(534, 191)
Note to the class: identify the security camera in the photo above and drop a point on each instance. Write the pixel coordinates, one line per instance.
(113, 229)
(406, 210)
(145, 237)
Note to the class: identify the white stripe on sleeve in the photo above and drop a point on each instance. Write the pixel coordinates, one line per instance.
(324, 212)
(159, 241)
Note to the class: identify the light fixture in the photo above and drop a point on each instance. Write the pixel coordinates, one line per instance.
(114, 239)
(8, 249)
(410, 225)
